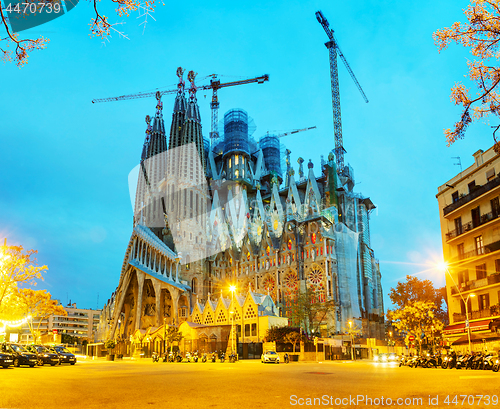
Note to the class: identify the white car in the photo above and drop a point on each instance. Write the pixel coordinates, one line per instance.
(270, 356)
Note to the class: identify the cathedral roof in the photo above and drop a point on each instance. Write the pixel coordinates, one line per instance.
(180, 104)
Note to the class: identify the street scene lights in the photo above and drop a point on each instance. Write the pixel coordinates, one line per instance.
(444, 267)
(232, 288)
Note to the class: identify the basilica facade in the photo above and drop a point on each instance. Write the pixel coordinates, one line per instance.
(232, 213)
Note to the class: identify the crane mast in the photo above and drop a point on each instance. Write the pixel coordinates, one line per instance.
(333, 49)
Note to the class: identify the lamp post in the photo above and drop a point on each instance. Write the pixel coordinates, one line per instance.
(444, 267)
(467, 317)
(164, 335)
(352, 340)
(232, 288)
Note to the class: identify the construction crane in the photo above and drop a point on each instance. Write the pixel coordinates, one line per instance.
(215, 85)
(333, 48)
(292, 132)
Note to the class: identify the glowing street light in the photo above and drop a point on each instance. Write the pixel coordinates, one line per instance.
(444, 267)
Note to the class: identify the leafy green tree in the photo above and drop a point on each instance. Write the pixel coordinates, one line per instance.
(278, 334)
(172, 334)
(416, 318)
(292, 338)
(310, 309)
(414, 289)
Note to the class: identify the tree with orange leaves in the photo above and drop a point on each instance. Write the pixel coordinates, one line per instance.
(17, 267)
(481, 34)
(38, 305)
(100, 26)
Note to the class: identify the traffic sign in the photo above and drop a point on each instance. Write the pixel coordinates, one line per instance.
(411, 338)
(466, 323)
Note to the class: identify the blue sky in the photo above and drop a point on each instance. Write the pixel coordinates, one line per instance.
(65, 161)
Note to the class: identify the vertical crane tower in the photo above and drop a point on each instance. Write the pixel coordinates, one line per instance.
(333, 49)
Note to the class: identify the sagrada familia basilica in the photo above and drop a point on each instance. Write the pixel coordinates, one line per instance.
(232, 211)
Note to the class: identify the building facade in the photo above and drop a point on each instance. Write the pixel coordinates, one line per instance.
(469, 206)
(231, 211)
(80, 322)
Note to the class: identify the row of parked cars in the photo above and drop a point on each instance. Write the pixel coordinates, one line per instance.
(31, 355)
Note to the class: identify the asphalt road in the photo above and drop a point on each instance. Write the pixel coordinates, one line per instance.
(245, 384)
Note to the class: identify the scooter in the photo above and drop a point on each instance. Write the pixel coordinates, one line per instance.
(214, 356)
(195, 357)
(188, 356)
(232, 358)
(156, 357)
(222, 357)
(204, 358)
(178, 357)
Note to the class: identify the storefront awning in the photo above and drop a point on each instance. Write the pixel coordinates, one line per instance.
(474, 326)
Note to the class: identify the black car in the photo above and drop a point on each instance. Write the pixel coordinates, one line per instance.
(20, 355)
(65, 356)
(6, 359)
(44, 355)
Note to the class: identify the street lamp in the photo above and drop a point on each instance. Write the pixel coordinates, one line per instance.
(444, 267)
(232, 288)
(352, 339)
(467, 317)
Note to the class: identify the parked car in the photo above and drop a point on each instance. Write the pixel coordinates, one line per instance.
(6, 359)
(270, 356)
(20, 355)
(44, 355)
(65, 356)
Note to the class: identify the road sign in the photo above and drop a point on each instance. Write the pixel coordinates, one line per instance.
(466, 323)
(411, 338)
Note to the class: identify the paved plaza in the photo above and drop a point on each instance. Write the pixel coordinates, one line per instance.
(245, 384)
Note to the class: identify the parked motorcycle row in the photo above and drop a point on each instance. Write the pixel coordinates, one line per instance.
(193, 357)
(474, 360)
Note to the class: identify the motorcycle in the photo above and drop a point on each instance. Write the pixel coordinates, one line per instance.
(488, 362)
(286, 359)
(195, 357)
(178, 357)
(204, 358)
(222, 357)
(156, 357)
(496, 365)
(232, 358)
(214, 356)
(188, 356)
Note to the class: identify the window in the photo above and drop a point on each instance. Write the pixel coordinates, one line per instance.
(463, 277)
(454, 197)
(480, 271)
(193, 285)
(229, 163)
(458, 225)
(247, 330)
(236, 173)
(490, 174)
(254, 330)
(476, 217)
(479, 245)
(472, 186)
(495, 207)
(238, 331)
(484, 301)
(236, 159)
(460, 251)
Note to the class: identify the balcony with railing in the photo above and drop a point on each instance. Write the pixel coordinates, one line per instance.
(488, 248)
(475, 284)
(485, 218)
(476, 192)
(492, 311)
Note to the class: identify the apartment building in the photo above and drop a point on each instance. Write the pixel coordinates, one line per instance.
(469, 207)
